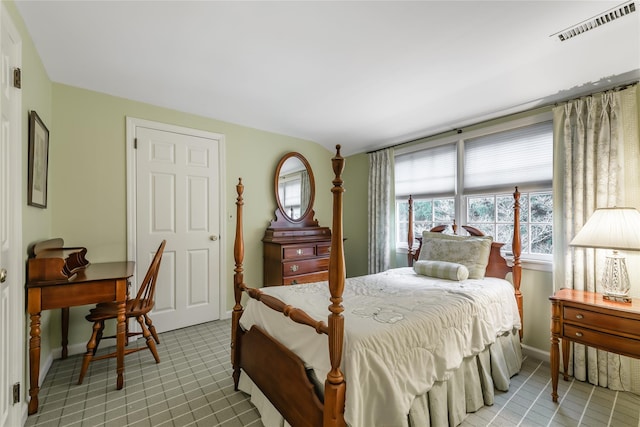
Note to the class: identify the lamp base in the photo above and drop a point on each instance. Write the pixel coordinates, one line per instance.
(615, 280)
(617, 298)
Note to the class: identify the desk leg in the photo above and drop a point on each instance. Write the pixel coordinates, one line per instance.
(34, 363)
(64, 316)
(120, 342)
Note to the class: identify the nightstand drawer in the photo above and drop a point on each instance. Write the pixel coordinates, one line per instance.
(295, 268)
(602, 340)
(609, 322)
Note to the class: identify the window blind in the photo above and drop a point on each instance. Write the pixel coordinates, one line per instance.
(522, 157)
(427, 172)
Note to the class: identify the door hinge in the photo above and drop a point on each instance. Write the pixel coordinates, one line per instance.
(16, 393)
(135, 143)
(17, 78)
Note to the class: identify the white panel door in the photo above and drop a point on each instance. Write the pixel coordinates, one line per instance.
(11, 279)
(177, 199)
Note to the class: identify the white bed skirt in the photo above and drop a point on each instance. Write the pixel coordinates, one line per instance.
(468, 388)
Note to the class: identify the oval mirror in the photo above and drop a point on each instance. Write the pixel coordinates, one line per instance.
(294, 187)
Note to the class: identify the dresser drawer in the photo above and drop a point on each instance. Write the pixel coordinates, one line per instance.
(306, 278)
(297, 252)
(295, 268)
(323, 249)
(602, 340)
(620, 325)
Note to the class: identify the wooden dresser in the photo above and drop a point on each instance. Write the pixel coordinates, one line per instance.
(587, 318)
(295, 256)
(296, 247)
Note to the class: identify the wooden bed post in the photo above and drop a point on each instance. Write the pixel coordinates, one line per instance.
(410, 234)
(335, 387)
(516, 247)
(238, 282)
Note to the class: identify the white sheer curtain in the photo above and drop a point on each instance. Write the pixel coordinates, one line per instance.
(596, 165)
(380, 203)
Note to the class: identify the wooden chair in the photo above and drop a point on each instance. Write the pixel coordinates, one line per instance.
(137, 308)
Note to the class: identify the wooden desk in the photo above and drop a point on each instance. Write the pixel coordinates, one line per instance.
(102, 282)
(587, 318)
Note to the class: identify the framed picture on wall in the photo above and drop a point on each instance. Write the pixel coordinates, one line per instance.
(38, 161)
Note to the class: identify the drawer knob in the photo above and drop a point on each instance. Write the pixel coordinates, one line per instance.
(578, 334)
(299, 251)
(579, 316)
(329, 249)
(294, 268)
(295, 282)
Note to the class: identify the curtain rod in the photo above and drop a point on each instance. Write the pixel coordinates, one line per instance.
(460, 130)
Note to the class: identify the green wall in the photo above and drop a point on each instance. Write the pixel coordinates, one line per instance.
(88, 180)
(355, 222)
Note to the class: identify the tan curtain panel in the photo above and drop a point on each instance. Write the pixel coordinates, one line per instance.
(595, 165)
(381, 231)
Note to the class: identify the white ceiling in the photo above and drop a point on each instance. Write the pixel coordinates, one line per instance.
(362, 74)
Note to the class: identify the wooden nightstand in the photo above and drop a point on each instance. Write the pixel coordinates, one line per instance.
(587, 318)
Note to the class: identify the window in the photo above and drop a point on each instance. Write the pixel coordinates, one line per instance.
(427, 213)
(493, 214)
(471, 178)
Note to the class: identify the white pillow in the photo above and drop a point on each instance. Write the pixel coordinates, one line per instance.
(470, 251)
(441, 270)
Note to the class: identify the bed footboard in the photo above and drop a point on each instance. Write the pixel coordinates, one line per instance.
(281, 376)
(276, 370)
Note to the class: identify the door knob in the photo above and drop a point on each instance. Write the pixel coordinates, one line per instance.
(213, 237)
(3, 275)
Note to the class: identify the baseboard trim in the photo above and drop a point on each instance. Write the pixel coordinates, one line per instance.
(44, 368)
(536, 353)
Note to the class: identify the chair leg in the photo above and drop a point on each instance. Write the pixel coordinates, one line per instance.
(91, 346)
(152, 328)
(150, 342)
(98, 337)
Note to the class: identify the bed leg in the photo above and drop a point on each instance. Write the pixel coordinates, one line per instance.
(235, 348)
(236, 378)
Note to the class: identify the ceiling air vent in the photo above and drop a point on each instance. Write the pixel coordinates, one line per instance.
(603, 18)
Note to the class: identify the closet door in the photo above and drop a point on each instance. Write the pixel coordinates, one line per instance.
(178, 199)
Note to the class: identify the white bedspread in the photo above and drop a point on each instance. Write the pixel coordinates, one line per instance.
(403, 332)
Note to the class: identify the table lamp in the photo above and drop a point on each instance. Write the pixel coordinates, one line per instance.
(616, 229)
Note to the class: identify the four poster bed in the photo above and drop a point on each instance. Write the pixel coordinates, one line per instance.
(415, 346)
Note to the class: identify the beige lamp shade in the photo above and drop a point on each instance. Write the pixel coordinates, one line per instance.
(611, 228)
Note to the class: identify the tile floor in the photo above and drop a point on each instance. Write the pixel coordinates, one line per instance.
(192, 386)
